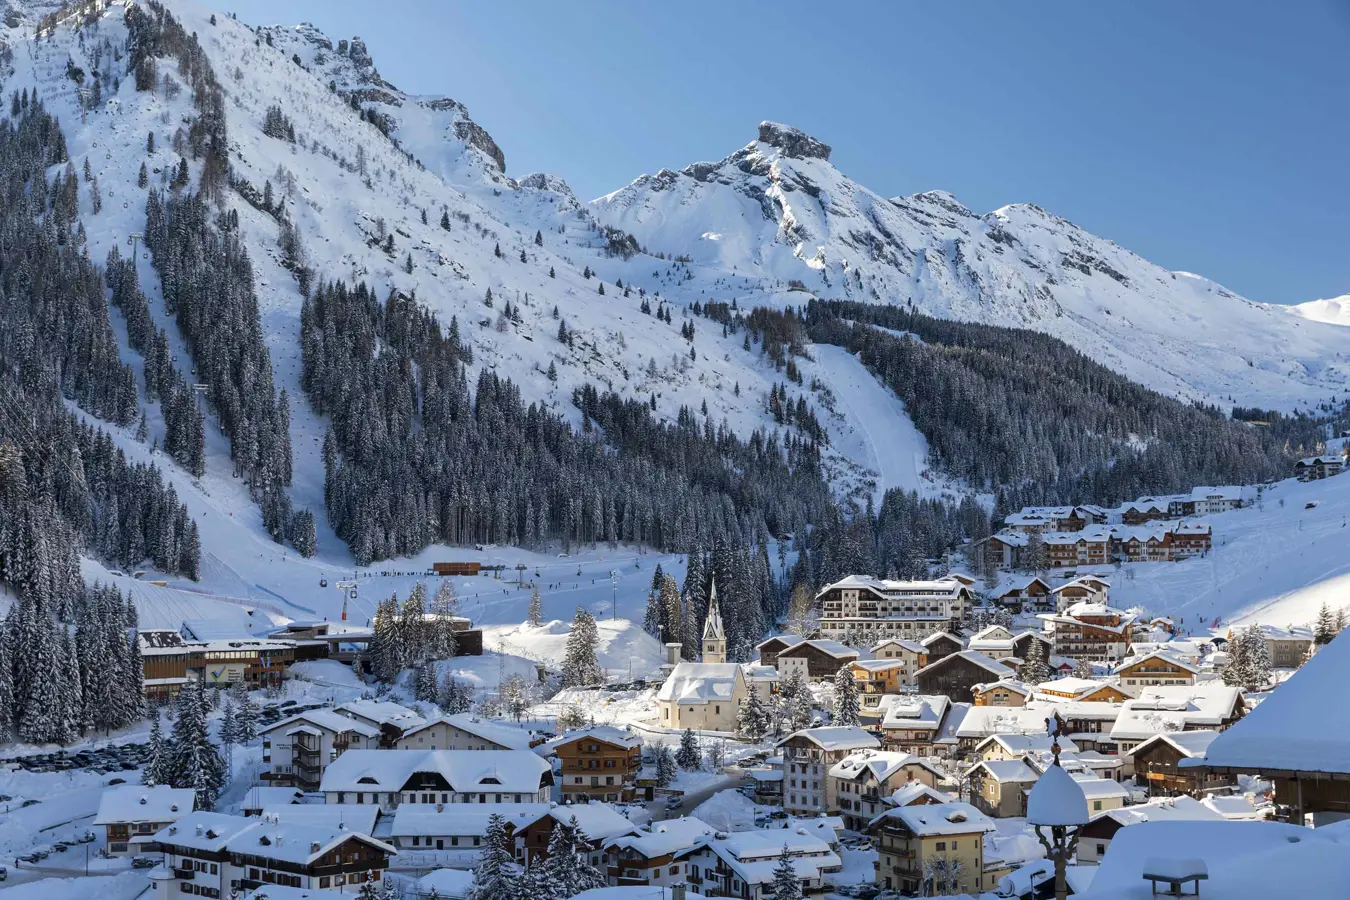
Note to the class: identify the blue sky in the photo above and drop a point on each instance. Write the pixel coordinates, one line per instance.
(1207, 136)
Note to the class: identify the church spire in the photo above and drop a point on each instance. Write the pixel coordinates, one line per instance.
(714, 635)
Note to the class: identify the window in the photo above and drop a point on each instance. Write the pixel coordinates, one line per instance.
(1101, 849)
(1096, 805)
(941, 845)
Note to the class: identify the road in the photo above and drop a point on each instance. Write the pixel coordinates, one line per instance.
(691, 800)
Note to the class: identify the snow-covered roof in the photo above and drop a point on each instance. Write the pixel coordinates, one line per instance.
(1300, 727)
(1174, 708)
(606, 733)
(836, 737)
(382, 712)
(129, 804)
(1007, 770)
(466, 771)
(971, 656)
(1100, 788)
(879, 665)
(359, 817)
(941, 587)
(503, 735)
(693, 682)
(1007, 684)
(1182, 808)
(787, 640)
(663, 838)
(881, 763)
(1056, 799)
(1164, 655)
(299, 844)
(261, 796)
(936, 819)
(914, 791)
(1026, 742)
(325, 719)
(1234, 807)
(1187, 743)
(939, 635)
(633, 892)
(205, 830)
(599, 821)
(911, 646)
(824, 645)
(286, 892)
(914, 712)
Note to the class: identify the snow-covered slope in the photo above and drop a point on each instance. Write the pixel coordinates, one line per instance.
(1333, 311)
(1275, 563)
(777, 210)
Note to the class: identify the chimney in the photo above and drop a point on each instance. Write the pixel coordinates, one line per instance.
(314, 846)
(199, 831)
(677, 891)
(673, 653)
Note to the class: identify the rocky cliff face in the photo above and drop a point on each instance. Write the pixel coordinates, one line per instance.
(777, 208)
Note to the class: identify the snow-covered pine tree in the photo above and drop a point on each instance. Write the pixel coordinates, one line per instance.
(6, 691)
(156, 769)
(664, 762)
(752, 720)
(672, 630)
(494, 877)
(580, 665)
(786, 885)
(193, 761)
(1083, 669)
(651, 620)
(689, 757)
(1325, 627)
(536, 613)
(228, 732)
(846, 705)
(1035, 670)
(716, 754)
(695, 605)
(1258, 658)
(800, 709)
(1237, 670)
(384, 650)
(566, 871)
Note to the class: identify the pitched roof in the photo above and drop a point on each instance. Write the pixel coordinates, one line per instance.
(663, 838)
(914, 712)
(1164, 655)
(971, 656)
(691, 682)
(939, 635)
(911, 646)
(606, 733)
(1027, 742)
(358, 817)
(503, 735)
(1174, 708)
(326, 719)
(466, 771)
(940, 819)
(882, 764)
(836, 737)
(824, 645)
(134, 803)
(1004, 771)
(382, 712)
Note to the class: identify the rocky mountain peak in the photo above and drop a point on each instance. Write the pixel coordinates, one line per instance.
(793, 142)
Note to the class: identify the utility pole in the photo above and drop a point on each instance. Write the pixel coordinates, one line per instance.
(348, 589)
(614, 594)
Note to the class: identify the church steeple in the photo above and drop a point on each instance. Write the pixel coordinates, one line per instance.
(714, 635)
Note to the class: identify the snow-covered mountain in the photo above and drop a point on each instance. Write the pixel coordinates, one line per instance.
(1333, 311)
(778, 211)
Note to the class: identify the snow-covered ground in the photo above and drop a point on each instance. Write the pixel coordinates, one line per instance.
(1333, 311)
(1276, 563)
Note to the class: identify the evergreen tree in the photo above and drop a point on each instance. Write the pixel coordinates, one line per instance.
(1237, 670)
(536, 613)
(580, 665)
(1258, 658)
(156, 770)
(1082, 670)
(752, 721)
(665, 765)
(1034, 667)
(567, 871)
(1325, 628)
(689, 757)
(193, 761)
(846, 705)
(651, 620)
(786, 885)
(695, 605)
(445, 219)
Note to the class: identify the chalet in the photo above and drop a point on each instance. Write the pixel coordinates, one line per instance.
(877, 677)
(654, 855)
(131, 814)
(1092, 631)
(297, 749)
(1298, 738)
(260, 797)
(1081, 690)
(1155, 764)
(740, 864)
(1005, 692)
(437, 776)
(1153, 669)
(463, 732)
(940, 644)
(1019, 745)
(915, 793)
(808, 756)
(769, 650)
(702, 696)
(890, 609)
(1027, 594)
(1067, 549)
(1055, 518)
(1191, 651)
(1087, 589)
(1316, 468)
(912, 723)
(1021, 644)
(598, 763)
(957, 674)
(998, 787)
(215, 855)
(391, 718)
(862, 782)
(599, 821)
(1287, 648)
(815, 660)
(1206, 501)
(1095, 837)
(1146, 510)
(1089, 722)
(994, 641)
(910, 838)
(1209, 706)
(1005, 549)
(913, 653)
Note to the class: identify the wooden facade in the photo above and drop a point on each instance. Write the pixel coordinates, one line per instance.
(957, 675)
(598, 769)
(1155, 767)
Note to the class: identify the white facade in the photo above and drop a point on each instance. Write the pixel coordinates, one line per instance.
(890, 609)
(296, 750)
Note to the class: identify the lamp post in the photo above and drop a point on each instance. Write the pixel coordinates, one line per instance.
(1057, 809)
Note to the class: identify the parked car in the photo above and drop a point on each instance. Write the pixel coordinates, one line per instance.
(28, 803)
(4, 874)
(143, 862)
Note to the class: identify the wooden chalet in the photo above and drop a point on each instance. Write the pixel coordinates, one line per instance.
(956, 675)
(1156, 668)
(940, 644)
(769, 650)
(816, 659)
(1156, 764)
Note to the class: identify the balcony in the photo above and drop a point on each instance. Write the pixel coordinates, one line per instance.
(183, 874)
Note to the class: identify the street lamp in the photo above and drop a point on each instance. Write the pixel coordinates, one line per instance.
(1057, 809)
(614, 594)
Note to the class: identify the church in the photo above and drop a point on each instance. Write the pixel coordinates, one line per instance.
(707, 695)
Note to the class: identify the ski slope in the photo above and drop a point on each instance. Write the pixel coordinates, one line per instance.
(1276, 563)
